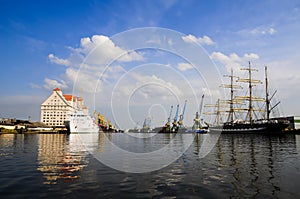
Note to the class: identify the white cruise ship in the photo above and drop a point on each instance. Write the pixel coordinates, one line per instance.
(81, 122)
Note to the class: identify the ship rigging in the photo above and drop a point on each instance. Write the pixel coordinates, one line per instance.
(252, 123)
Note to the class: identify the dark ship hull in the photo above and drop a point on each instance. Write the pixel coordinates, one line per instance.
(107, 129)
(141, 131)
(273, 126)
(171, 130)
(165, 129)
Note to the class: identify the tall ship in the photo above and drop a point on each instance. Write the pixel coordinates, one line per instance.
(253, 122)
(81, 122)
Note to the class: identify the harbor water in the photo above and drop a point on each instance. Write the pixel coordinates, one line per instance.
(62, 166)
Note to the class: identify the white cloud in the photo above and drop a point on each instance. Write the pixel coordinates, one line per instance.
(50, 84)
(98, 50)
(261, 30)
(200, 40)
(184, 66)
(83, 80)
(146, 89)
(233, 60)
(113, 72)
(272, 31)
(101, 49)
(251, 56)
(170, 42)
(283, 75)
(91, 59)
(58, 61)
(32, 85)
(159, 90)
(160, 40)
(154, 40)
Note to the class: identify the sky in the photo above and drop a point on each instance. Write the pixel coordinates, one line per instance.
(133, 59)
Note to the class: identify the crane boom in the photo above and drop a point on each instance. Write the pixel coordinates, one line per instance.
(183, 111)
(169, 119)
(201, 105)
(176, 114)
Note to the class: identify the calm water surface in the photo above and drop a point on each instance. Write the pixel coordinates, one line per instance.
(239, 166)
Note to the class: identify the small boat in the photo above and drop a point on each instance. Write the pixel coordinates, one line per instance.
(201, 130)
(81, 122)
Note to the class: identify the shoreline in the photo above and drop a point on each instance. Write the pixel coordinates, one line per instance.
(36, 132)
(285, 132)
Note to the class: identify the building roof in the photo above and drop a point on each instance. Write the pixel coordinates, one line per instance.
(69, 97)
(56, 89)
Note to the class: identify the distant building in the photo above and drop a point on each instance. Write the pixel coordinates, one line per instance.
(56, 109)
(297, 122)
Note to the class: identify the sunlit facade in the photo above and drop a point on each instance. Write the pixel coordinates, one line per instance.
(57, 107)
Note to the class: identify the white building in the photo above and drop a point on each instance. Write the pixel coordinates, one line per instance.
(297, 122)
(56, 109)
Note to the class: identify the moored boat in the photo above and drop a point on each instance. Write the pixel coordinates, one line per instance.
(81, 122)
(251, 124)
(271, 126)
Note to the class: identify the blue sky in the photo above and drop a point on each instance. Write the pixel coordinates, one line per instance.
(36, 35)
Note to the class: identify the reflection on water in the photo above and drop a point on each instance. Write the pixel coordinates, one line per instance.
(253, 164)
(60, 157)
(6, 144)
(141, 155)
(56, 165)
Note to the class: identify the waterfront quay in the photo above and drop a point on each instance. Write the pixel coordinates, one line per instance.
(12, 126)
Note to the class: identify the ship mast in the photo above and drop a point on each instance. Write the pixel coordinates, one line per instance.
(218, 106)
(250, 94)
(251, 82)
(267, 95)
(232, 87)
(268, 99)
(218, 112)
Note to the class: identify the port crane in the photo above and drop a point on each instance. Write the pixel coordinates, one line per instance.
(169, 118)
(197, 122)
(180, 122)
(175, 126)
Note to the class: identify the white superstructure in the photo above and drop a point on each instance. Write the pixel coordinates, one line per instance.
(81, 122)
